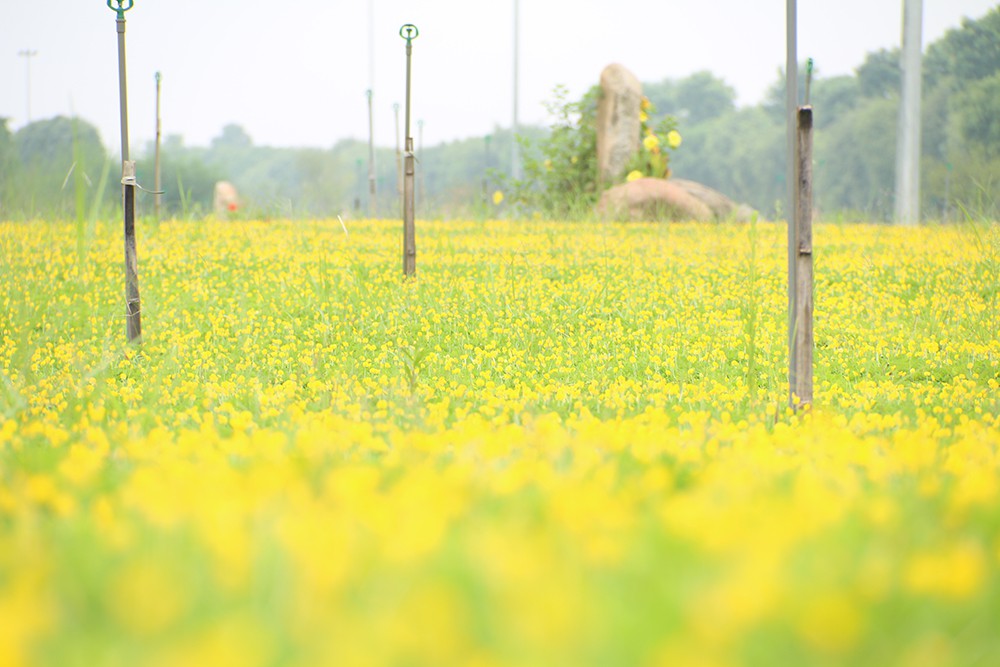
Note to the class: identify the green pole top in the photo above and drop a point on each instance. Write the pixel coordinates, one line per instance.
(408, 32)
(121, 8)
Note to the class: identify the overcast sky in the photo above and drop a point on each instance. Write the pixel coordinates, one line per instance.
(295, 73)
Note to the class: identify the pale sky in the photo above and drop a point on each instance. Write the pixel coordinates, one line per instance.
(295, 73)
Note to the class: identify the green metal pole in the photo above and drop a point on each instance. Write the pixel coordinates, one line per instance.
(133, 318)
(408, 32)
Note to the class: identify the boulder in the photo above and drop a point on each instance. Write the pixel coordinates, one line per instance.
(618, 125)
(226, 199)
(652, 199)
(723, 208)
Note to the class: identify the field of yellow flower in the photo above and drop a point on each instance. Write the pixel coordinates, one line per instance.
(561, 445)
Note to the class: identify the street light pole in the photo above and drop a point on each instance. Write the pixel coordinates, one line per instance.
(27, 54)
(515, 160)
(908, 144)
(791, 181)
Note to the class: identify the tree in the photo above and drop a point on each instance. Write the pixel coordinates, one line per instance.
(233, 137)
(560, 171)
(855, 160)
(702, 97)
(833, 98)
(880, 74)
(10, 169)
(50, 152)
(695, 99)
(977, 117)
(968, 53)
(741, 154)
(49, 143)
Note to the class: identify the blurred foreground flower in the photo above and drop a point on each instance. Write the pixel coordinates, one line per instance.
(497, 197)
(634, 175)
(674, 138)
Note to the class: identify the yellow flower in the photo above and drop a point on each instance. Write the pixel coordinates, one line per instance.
(634, 175)
(651, 141)
(645, 105)
(643, 116)
(497, 197)
(674, 138)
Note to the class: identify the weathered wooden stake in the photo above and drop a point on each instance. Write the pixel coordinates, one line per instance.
(133, 317)
(156, 162)
(408, 32)
(801, 377)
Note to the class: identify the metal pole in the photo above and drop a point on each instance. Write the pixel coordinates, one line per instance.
(791, 179)
(371, 158)
(908, 142)
(486, 169)
(420, 157)
(515, 159)
(156, 162)
(408, 32)
(399, 154)
(133, 321)
(27, 54)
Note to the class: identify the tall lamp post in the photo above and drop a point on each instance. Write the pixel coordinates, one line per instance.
(908, 143)
(515, 158)
(27, 54)
(791, 171)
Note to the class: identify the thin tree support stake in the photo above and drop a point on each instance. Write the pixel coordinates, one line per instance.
(408, 32)
(802, 368)
(133, 318)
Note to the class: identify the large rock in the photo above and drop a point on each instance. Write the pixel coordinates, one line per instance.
(652, 199)
(723, 208)
(226, 200)
(618, 124)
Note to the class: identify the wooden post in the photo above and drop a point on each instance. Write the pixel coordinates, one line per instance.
(801, 375)
(133, 316)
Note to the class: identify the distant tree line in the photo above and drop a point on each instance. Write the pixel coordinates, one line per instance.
(57, 167)
(742, 151)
